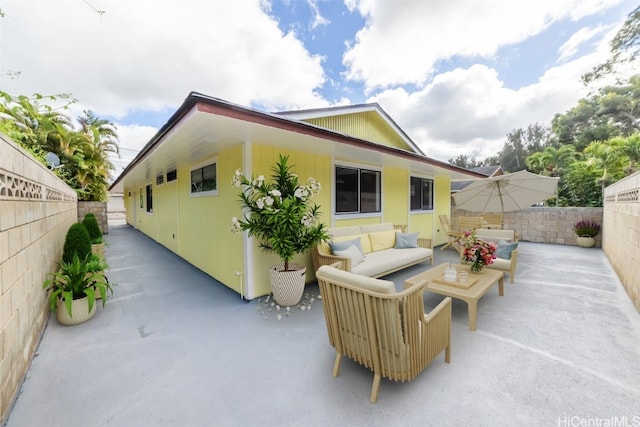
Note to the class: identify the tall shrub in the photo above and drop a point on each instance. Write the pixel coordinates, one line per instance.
(76, 241)
(93, 228)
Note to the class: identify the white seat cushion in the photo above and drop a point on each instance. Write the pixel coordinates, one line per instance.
(378, 262)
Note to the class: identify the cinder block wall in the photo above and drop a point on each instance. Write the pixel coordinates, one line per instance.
(621, 236)
(36, 210)
(544, 224)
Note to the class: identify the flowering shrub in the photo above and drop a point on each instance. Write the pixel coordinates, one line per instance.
(280, 214)
(584, 228)
(477, 252)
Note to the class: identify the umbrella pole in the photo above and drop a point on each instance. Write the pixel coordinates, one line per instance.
(501, 205)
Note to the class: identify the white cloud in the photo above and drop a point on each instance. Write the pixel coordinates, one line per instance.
(569, 49)
(148, 55)
(402, 45)
(469, 111)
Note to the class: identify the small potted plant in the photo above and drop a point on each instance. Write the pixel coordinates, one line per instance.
(74, 289)
(586, 232)
(282, 216)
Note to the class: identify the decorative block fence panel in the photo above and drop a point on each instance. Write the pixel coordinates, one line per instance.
(621, 233)
(36, 210)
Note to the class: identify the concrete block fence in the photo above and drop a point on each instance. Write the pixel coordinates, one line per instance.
(36, 210)
(544, 224)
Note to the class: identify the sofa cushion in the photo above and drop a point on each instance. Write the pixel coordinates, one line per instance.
(341, 245)
(365, 245)
(352, 252)
(371, 284)
(377, 263)
(373, 228)
(501, 264)
(405, 241)
(503, 250)
(382, 240)
(345, 231)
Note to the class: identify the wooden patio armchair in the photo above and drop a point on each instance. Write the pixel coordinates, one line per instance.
(452, 235)
(381, 329)
(492, 221)
(470, 223)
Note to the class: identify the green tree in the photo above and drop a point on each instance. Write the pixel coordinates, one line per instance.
(607, 160)
(521, 143)
(624, 48)
(464, 161)
(40, 125)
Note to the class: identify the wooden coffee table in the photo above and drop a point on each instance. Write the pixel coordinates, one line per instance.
(432, 281)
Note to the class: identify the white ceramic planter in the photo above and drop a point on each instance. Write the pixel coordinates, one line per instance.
(79, 310)
(288, 286)
(586, 241)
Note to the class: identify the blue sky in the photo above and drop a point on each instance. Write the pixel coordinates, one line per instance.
(457, 76)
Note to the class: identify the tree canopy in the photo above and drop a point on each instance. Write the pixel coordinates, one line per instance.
(41, 125)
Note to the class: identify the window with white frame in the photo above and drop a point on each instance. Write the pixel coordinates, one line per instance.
(204, 180)
(357, 190)
(421, 191)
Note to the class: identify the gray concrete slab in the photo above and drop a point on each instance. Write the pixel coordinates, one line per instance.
(176, 348)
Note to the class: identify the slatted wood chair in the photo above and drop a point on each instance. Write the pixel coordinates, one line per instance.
(381, 329)
(452, 235)
(470, 223)
(492, 221)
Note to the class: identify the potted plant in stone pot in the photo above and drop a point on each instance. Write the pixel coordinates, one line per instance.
(74, 289)
(283, 217)
(586, 232)
(95, 234)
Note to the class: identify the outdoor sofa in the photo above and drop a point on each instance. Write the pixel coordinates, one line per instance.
(373, 250)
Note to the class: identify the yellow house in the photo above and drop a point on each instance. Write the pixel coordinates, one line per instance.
(178, 189)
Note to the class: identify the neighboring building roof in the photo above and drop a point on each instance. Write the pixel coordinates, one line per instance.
(204, 124)
(487, 171)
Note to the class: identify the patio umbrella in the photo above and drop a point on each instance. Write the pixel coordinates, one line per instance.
(505, 193)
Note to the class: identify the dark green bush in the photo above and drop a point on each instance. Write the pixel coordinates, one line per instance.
(76, 241)
(93, 228)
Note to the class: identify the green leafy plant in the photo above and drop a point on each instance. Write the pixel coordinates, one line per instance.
(280, 213)
(95, 234)
(585, 228)
(74, 280)
(96, 264)
(77, 241)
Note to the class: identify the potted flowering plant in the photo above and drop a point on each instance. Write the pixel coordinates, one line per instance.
(476, 252)
(586, 232)
(282, 216)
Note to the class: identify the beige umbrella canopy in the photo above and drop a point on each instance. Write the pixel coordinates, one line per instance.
(505, 193)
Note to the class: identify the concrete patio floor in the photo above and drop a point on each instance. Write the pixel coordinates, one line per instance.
(175, 348)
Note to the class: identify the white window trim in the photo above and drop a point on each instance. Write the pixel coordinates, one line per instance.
(200, 165)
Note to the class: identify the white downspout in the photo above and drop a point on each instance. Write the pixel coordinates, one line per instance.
(247, 247)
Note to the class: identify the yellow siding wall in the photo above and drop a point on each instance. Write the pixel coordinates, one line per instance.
(204, 227)
(442, 204)
(366, 125)
(395, 195)
(198, 228)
